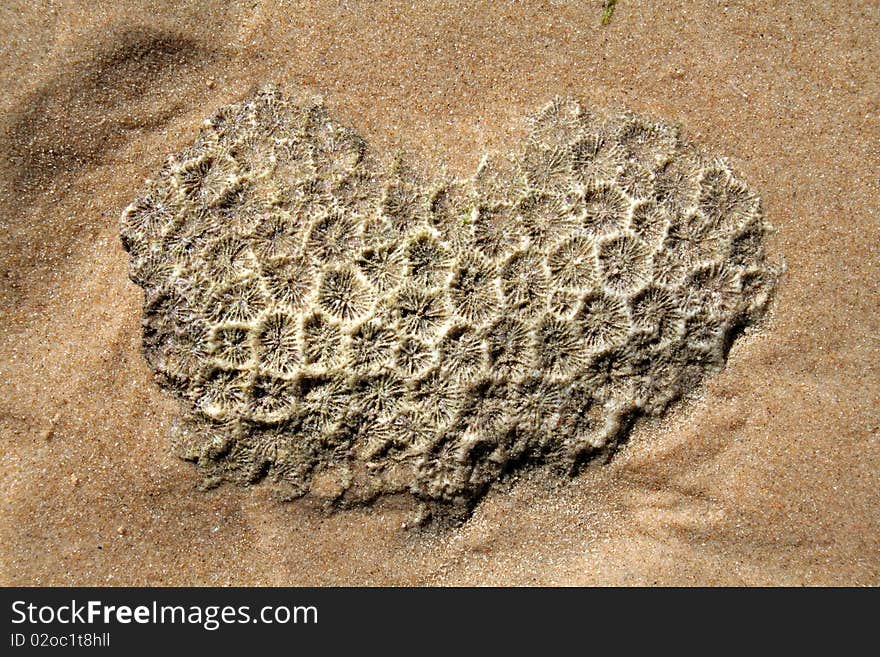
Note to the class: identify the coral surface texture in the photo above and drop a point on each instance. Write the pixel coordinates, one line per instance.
(336, 322)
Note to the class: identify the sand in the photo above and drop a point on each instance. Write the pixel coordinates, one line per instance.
(770, 476)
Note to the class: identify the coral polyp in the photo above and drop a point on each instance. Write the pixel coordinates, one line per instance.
(326, 315)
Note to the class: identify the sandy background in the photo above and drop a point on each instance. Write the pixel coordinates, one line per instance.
(772, 476)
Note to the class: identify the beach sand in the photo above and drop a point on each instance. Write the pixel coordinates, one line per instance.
(771, 475)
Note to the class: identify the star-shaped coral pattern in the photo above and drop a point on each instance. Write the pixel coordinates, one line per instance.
(325, 316)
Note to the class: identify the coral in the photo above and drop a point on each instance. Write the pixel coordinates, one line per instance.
(372, 345)
(546, 219)
(322, 341)
(419, 312)
(474, 289)
(277, 343)
(383, 266)
(437, 398)
(412, 356)
(342, 294)
(461, 353)
(240, 301)
(595, 158)
(327, 316)
(605, 207)
(603, 319)
(656, 310)
(572, 263)
(231, 346)
(508, 341)
(289, 279)
(332, 237)
(428, 261)
(557, 124)
(524, 282)
(648, 222)
(496, 231)
(644, 143)
(624, 261)
(559, 348)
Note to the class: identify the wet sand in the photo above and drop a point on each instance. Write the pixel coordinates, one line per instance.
(770, 476)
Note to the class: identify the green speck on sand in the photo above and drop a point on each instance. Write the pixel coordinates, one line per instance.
(607, 11)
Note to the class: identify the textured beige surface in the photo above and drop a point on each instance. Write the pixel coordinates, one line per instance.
(771, 476)
(331, 321)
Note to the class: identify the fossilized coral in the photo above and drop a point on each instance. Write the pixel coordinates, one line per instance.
(327, 317)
